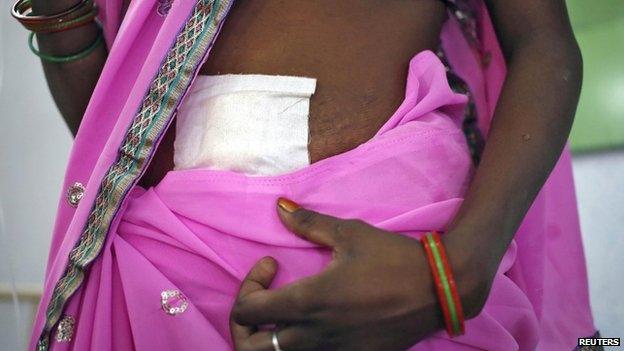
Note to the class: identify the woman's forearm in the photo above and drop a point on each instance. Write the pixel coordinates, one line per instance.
(71, 83)
(529, 130)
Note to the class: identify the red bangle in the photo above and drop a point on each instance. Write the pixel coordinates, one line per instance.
(438, 287)
(446, 288)
(451, 281)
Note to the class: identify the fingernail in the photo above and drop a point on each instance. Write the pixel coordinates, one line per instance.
(287, 205)
(268, 262)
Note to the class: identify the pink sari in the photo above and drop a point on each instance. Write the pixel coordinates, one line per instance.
(200, 231)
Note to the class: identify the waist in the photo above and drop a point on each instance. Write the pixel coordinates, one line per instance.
(413, 168)
(417, 159)
(426, 91)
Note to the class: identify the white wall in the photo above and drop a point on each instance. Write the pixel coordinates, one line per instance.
(600, 193)
(33, 151)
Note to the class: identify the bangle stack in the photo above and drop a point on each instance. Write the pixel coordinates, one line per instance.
(78, 15)
(444, 284)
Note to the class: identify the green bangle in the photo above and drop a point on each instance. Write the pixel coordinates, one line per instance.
(64, 59)
(445, 284)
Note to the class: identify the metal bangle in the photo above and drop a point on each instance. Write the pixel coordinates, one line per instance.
(66, 25)
(22, 11)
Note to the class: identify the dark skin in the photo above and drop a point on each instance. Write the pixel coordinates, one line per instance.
(72, 83)
(359, 86)
(377, 293)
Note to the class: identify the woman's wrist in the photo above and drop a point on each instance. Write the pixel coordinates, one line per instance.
(473, 268)
(486, 227)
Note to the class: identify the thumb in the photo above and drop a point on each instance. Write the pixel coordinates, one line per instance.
(312, 226)
(259, 278)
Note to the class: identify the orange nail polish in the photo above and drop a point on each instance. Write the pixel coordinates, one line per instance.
(287, 205)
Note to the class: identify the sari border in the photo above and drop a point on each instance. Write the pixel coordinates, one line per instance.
(154, 115)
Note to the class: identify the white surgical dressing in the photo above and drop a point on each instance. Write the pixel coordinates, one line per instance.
(252, 124)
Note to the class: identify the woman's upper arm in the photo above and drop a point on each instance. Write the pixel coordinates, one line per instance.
(521, 22)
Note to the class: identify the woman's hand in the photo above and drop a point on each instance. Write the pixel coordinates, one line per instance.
(376, 294)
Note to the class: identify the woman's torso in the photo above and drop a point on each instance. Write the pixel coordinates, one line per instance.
(358, 50)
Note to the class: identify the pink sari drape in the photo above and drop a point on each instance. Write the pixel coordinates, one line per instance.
(200, 231)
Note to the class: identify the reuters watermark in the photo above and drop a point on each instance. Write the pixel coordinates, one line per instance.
(599, 342)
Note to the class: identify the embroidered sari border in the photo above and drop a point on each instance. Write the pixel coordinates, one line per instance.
(153, 116)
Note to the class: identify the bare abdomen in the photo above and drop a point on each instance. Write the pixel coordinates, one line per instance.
(358, 50)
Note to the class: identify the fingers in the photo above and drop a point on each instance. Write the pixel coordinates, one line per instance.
(313, 226)
(287, 305)
(259, 278)
(289, 338)
(256, 305)
(240, 333)
(260, 341)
